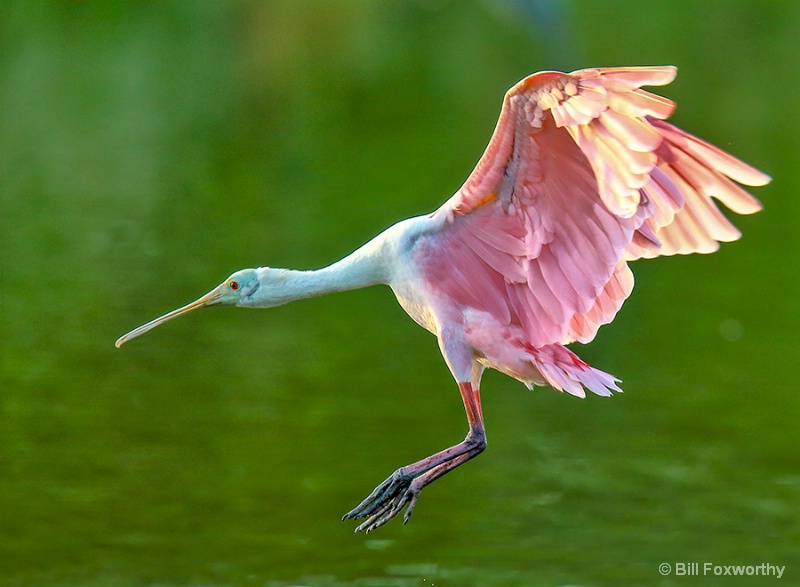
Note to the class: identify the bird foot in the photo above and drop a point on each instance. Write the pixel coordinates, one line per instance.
(387, 500)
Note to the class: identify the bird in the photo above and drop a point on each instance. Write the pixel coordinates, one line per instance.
(582, 175)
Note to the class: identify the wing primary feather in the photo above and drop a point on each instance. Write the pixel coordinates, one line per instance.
(635, 77)
(713, 156)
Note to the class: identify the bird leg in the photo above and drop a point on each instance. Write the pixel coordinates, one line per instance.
(402, 488)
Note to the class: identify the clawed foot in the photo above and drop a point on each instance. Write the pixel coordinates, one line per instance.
(402, 488)
(386, 501)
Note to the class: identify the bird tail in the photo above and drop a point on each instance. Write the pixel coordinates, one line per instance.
(565, 371)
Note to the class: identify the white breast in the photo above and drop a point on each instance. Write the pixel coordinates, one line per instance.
(407, 283)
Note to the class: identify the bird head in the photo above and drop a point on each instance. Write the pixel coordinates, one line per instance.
(234, 291)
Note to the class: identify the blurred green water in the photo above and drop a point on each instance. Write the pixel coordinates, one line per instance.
(150, 149)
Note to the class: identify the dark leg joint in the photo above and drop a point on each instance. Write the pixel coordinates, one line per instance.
(476, 440)
(401, 476)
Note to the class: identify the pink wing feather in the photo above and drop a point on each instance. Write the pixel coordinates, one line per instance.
(580, 176)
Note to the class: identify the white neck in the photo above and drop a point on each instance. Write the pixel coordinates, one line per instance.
(362, 268)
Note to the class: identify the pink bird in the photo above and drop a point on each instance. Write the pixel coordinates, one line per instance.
(581, 176)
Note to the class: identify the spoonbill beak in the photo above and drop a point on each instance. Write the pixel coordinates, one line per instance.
(212, 298)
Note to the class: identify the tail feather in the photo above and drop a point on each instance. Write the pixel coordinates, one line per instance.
(565, 371)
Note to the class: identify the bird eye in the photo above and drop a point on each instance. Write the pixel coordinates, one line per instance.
(234, 285)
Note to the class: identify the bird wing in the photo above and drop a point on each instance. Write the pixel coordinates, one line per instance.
(580, 176)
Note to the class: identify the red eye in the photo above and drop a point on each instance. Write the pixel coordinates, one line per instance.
(233, 285)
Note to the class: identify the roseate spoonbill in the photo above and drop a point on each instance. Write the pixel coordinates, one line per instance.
(581, 175)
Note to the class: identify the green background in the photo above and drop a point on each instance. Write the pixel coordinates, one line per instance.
(149, 149)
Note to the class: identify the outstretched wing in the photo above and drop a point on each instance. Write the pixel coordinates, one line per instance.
(580, 176)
